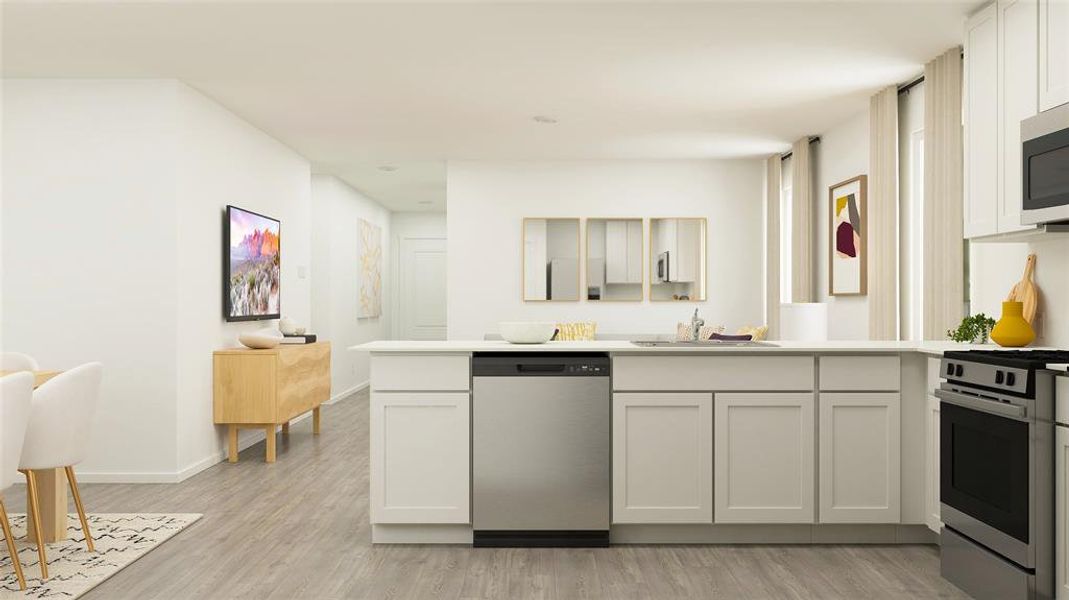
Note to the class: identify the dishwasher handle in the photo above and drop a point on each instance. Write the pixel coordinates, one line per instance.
(537, 368)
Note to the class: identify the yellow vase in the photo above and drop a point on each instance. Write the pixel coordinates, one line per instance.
(1012, 330)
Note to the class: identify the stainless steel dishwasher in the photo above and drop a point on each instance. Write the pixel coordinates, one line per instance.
(541, 471)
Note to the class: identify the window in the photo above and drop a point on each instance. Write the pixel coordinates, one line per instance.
(916, 255)
(785, 233)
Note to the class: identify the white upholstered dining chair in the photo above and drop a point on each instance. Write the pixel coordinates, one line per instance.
(17, 361)
(58, 437)
(16, 393)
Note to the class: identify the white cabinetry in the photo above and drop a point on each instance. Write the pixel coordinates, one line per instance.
(662, 458)
(1061, 480)
(1053, 53)
(623, 251)
(764, 458)
(931, 471)
(420, 439)
(981, 123)
(1018, 85)
(1012, 71)
(860, 458)
(420, 469)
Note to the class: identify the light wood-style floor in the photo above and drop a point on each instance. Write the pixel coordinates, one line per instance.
(299, 529)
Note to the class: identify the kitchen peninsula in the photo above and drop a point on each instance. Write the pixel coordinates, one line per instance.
(815, 442)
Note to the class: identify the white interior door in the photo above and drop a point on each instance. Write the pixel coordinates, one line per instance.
(422, 291)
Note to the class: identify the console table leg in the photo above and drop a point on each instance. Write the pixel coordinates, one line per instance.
(315, 421)
(286, 428)
(232, 443)
(270, 443)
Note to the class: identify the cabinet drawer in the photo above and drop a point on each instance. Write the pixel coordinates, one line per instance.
(860, 373)
(713, 373)
(421, 372)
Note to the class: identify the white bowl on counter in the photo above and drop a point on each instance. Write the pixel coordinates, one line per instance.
(527, 332)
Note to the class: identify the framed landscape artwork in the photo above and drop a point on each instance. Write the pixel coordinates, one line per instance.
(370, 257)
(847, 238)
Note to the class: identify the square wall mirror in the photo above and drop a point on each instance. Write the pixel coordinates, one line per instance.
(677, 260)
(614, 251)
(551, 260)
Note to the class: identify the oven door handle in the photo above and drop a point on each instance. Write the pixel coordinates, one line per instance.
(988, 406)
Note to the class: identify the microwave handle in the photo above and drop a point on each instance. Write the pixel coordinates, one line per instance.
(988, 406)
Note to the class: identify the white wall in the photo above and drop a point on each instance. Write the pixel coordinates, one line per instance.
(335, 296)
(487, 202)
(113, 193)
(843, 152)
(90, 246)
(224, 160)
(995, 267)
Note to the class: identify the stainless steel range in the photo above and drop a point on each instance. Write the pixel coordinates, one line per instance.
(996, 472)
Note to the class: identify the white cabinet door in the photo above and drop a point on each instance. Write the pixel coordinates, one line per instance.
(635, 252)
(616, 270)
(662, 454)
(420, 467)
(860, 458)
(1061, 496)
(1018, 85)
(764, 458)
(1053, 53)
(623, 251)
(688, 256)
(931, 469)
(981, 123)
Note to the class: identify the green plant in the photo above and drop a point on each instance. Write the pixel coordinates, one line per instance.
(976, 327)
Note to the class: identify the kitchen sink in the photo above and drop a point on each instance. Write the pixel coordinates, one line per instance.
(700, 344)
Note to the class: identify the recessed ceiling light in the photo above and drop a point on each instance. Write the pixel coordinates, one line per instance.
(388, 168)
(544, 119)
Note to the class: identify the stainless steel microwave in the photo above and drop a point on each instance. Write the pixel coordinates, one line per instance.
(1045, 167)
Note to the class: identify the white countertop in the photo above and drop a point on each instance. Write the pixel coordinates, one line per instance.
(622, 346)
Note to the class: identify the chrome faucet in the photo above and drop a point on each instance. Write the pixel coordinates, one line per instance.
(696, 324)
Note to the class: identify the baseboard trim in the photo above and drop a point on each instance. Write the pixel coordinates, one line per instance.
(823, 533)
(349, 392)
(244, 442)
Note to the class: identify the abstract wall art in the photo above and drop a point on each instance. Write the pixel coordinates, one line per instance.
(369, 252)
(848, 232)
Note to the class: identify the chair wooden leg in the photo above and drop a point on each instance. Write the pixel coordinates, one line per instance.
(315, 420)
(81, 508)
(35, 515)
(11, 546)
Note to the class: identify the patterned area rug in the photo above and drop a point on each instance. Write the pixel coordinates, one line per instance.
(120, 539)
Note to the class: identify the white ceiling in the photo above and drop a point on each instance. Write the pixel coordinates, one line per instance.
(355, 86)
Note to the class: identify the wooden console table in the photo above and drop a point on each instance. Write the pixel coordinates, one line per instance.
(262, 389)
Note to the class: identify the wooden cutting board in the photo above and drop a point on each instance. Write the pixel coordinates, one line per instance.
(1025, 291)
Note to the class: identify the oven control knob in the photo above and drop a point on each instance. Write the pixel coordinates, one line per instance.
(999, 377)
(950, 369)
(958, 370)
(1011, 379)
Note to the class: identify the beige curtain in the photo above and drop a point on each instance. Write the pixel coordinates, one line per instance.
(944, 256)
(882, 219)
(801, 223)
(772, 219)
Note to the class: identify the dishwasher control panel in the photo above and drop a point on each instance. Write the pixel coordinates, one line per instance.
(540, 364)
(587, 369)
